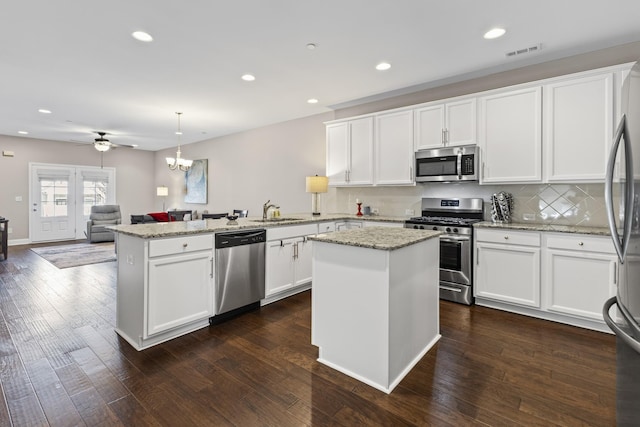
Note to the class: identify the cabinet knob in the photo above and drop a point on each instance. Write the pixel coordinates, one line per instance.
(184, 245)
(506, 237)
(580, 244)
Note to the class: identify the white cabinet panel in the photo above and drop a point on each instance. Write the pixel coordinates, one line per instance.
(578, 128)
(280, 268)
(446, 123)
(509, 273)
(579, 283)
(180, 290)
(394, 148)
(337, 153)
(511, 136)
(350, 152)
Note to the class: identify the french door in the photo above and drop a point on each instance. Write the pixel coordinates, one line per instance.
(61, 197)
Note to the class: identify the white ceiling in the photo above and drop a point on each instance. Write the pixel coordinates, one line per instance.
(77, 58)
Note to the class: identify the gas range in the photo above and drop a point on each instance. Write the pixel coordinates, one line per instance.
(453, 216)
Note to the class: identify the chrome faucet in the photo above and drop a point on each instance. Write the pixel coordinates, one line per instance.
(265, 209)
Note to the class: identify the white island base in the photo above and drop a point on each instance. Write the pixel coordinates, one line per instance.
(375, 313)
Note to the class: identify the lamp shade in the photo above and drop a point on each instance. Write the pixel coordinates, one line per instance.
(162, 191)
(317, 184)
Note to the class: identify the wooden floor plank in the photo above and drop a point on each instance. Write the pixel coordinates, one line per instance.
(61, 363)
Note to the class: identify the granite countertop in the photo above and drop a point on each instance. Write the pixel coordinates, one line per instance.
(576, 229)
(180, 228)
(383, 238)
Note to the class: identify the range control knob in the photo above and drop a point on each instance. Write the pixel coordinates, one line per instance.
(448, 230)
(455, 230)
(435, 228)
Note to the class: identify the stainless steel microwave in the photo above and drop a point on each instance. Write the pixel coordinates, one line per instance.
(450, 164)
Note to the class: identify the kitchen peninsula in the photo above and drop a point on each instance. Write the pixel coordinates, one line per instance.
(166, 271)
(375, 301)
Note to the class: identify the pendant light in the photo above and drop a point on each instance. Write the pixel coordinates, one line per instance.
(179, 162)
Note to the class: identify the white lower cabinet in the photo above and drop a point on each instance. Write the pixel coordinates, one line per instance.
(180, 290)
(507, 266)
(581, 273)
(563, 277)
(165, 287)
(288, 263)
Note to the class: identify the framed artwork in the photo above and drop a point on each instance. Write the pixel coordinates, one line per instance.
(196, 182)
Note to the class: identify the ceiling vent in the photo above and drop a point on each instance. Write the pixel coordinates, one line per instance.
(531, 49)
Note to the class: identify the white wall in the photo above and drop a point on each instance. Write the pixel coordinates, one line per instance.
(248, 168)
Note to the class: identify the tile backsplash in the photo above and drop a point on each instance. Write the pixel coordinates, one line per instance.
(561, 204)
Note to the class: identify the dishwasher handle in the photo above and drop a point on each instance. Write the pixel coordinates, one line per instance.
(239, 238)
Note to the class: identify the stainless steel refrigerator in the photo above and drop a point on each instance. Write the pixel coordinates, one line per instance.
(622, 312)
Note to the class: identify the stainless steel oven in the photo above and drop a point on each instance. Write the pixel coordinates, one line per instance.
(455, 218)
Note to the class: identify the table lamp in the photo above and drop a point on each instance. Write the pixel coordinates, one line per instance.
(316, 184)
(162, 191)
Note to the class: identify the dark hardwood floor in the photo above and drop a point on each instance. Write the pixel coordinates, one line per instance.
(62, 364)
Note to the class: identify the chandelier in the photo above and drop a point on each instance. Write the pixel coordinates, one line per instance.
(179, 162)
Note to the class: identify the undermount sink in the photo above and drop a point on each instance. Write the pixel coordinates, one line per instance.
(279, 219)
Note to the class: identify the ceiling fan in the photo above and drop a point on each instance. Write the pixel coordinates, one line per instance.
(102, 144)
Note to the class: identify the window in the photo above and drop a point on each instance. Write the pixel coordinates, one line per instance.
(53, 197)
(94, 193)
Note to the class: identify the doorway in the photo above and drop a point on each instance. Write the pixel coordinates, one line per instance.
(61, 196)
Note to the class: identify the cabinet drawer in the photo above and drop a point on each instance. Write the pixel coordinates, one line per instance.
(279, 233)
(180, 245)
(580, 242)
(507, 236)
(326, 227)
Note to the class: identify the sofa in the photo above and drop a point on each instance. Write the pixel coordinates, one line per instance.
(160, 217)
(100, 217)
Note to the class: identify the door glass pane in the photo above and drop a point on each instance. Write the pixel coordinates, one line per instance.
(53, 197)
(94, 193)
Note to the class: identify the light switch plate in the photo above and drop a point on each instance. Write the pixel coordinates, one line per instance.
(409, 212)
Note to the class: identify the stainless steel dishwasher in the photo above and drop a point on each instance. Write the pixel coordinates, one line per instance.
(240, 272)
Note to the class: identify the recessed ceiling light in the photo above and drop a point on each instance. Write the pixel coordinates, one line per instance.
(312, 101)
(383, 66)
(23, 132)
(44, 111)
(494, 33)
(142, 36)
(248, 77)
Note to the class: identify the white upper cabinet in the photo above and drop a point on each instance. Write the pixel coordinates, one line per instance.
(394, 148)
(510, 136)
(350, 152)
(446, 124)
(578, 128)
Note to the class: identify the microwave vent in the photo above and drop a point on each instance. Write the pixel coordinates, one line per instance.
(530, 49)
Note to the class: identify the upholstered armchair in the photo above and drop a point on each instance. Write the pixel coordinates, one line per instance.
(102, 216)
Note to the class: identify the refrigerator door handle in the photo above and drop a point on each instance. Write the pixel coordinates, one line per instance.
(620, 244)
(620, 333)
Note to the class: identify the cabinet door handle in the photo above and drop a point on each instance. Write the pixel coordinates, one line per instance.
(478, 256)
(444, 139)
(211, 274)
(446, 136)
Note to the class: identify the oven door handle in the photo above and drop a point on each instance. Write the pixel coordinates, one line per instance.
(455, 238)
(450, 288)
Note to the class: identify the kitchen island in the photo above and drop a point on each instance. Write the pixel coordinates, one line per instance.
(375, 301)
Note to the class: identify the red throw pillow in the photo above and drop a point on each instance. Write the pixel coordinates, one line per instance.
(159, 216)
